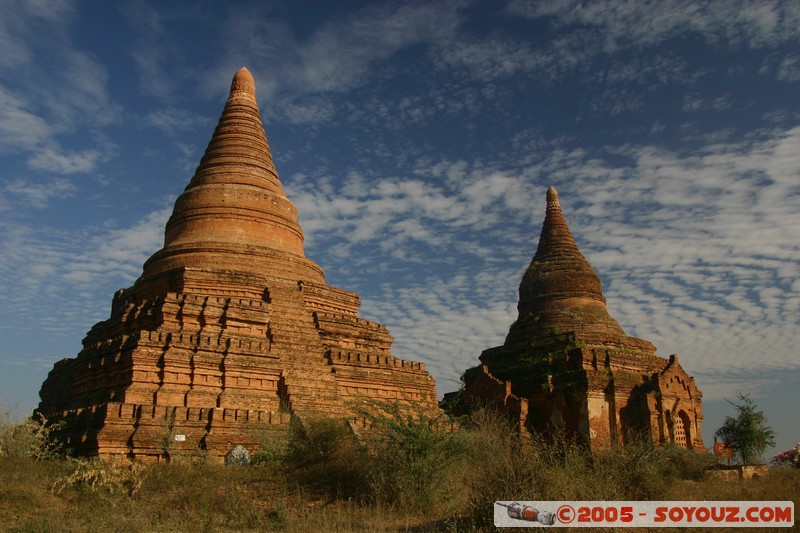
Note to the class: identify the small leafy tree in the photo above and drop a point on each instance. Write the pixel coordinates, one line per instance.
(748, 433)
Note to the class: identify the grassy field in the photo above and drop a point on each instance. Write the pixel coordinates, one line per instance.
(407, 476)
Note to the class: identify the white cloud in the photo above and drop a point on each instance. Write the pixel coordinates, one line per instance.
(74, 91)
(625, 24)
(70, 273)
(698, 250)
(22, 22)
(789, 68)
(121, 252)
(704, 245)
(489, 59)
(153, 51)
(311, 110)
(52, 159)
(340, 55)
(364, 209)
(38, 195)
(620, 30)
(446, 322)
(66, 91)
(172, 121)
(20, 128)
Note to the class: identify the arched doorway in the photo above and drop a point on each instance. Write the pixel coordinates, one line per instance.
(682, 430)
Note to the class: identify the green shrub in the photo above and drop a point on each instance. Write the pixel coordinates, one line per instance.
(680, 463)
(633, 472)
(325, 454)
(272, 450)
(498, 466)
(404, 459)
(96, 475)
(33, 438)
(484, 460)
(412, 459)
(508, 466)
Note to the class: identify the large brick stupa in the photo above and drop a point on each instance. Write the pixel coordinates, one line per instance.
(230, 330)
(566, 365)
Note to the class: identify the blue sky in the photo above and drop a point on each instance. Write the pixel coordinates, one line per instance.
(417, 140)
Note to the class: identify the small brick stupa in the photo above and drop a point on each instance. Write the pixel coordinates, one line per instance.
(566, 365)
(231, 330)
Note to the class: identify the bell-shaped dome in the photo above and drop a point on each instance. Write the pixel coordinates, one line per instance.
(560, 291)
(234, 214)
(558, 269)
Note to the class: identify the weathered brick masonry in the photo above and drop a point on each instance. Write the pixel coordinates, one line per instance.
(567, 365)
(231, 329)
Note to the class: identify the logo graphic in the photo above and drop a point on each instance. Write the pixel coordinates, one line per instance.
(529, 514)
(647, 514)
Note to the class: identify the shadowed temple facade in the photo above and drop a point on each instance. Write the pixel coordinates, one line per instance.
(230, 330)
(566, 365)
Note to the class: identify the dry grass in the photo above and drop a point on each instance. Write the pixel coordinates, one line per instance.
(409, 477)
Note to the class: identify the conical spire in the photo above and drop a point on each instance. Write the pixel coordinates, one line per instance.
(233, 214)
(559, 269)
(560, 291)
(238, 151)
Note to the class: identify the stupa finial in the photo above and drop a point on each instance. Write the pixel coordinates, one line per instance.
(243, 85)
(552, 199)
